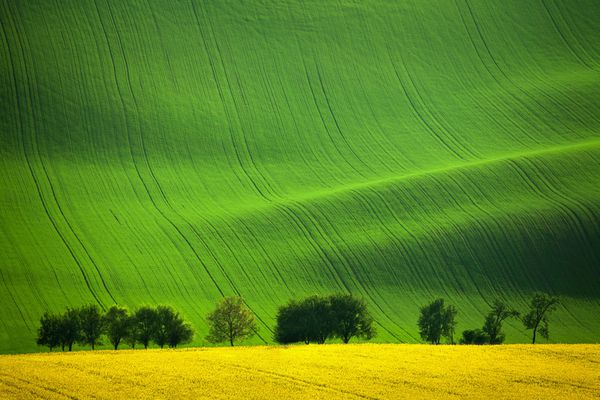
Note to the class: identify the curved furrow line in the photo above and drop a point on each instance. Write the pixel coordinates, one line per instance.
(438, 121)
(578, 37)
(399, 245)
(523, 104)
(230, 129)
(416, 270)
(268, 86)
(24, 146)
(522, 130)
(224, 272)
(136, 167)
(486, 233)
(535, 187)
(430, 237)
(335, 120)
(258, 245)
(567, 204)
(33, 89)
(563, 37)
(335, 273)
(416, 111)
(519, 88)
(172, 76)
(576, 221)
(498, 229)
(550, 183)
(297, 130)
(303, 57)
(16, 303)
(340, 255)
(245, 147)
(392, 152)
(322, 119)
(19, 131)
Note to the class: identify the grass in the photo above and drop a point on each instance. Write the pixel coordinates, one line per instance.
(177, 151)
(310, 372)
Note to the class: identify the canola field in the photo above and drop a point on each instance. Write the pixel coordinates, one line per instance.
(310, 372)
(176, 151)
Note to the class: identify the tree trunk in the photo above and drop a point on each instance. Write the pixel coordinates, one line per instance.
(92, 345)
(70, 346)
(231, 341)
(534, 332)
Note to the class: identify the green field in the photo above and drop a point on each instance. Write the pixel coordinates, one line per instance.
(177, 151)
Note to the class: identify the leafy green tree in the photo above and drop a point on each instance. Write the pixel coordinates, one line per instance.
(144, 325)
(492, 326)
(437, 320)
(474, 336)
(289, 327)
(170, 328)
(449, 322)
(317, 319)
(179, 332)
(49, 331)
(164, 316)
(540, 307)
(231, 321)
(69, 328)
(131, 338)
(91, 325)
(116, 324)
(350, 317)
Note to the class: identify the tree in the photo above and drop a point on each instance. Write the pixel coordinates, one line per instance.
(493, 321)
(164, 315)
(69, 328)
(91, 325)
(350, 318)
(288, 326)
(437, 320)
(116, 325)
(144, 325)
(449, 322)
(179, 332)
(540, 307)
(231, 321)
(474, 336)
(317, 319)
(49, 331)
(131, 338)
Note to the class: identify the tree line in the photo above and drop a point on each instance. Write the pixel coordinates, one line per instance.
(313, 319)
(87, 326)
(437, 320)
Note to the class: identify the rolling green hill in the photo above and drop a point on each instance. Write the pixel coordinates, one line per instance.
(166, 151)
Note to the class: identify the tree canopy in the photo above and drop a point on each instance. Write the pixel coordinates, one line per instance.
(231, 321)
(437, 320)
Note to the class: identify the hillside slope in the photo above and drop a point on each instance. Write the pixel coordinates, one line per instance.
(177, 151)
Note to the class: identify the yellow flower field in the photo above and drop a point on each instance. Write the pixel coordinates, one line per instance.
(365, 371)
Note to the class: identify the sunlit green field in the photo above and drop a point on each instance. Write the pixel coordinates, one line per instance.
(167, 151)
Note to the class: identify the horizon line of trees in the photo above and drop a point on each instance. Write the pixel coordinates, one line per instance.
(313, 319)
(87, 325)
(437, 320)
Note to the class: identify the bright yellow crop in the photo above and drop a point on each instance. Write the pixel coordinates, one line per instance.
(310, 372)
